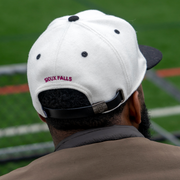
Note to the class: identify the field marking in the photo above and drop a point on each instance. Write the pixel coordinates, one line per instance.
(39, 127)
(27, 150)
(13, 68)
(24, 87)
(24, 129)
(14, 89)
(162, 112)
(168, 72)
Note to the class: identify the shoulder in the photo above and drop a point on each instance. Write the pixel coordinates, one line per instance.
(146, 145)
(29, 172)
(129, 155)
(152, 152)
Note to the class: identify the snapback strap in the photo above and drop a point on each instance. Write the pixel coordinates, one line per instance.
(86, 111)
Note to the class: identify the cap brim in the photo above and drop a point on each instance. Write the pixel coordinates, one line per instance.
(153, 56)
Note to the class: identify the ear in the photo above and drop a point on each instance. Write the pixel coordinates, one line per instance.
(42, 118)
(135, 109)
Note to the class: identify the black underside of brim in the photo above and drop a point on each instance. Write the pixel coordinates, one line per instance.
(153, 56)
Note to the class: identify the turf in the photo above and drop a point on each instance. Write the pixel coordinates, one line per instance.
(10, 166)
(170, 123)
(14, 79)
(156, 97)
(17, 110)
(157, 24)
(19, 140)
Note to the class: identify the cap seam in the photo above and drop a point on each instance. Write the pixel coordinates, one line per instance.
(59, 46)
(112, 47)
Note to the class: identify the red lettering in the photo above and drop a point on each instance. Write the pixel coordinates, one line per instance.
(46, 79)
(65, 78)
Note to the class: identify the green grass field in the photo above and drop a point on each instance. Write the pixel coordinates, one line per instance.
(157, 23)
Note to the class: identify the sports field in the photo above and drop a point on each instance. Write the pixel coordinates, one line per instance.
(157, 23)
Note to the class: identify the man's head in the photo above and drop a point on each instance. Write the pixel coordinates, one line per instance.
(69, 98)
(90, 54)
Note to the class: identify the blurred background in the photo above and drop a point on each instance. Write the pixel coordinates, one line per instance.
(23, 137)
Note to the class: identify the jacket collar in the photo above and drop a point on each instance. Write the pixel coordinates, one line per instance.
(98, 135)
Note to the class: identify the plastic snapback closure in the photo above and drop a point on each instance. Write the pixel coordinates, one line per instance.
(86, 111)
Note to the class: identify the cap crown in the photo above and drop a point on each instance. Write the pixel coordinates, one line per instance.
(95, 53)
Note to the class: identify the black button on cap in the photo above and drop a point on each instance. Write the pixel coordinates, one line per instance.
(73, 18)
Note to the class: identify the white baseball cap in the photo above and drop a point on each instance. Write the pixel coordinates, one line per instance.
(94, 53)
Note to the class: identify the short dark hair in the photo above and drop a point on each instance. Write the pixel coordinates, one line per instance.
(70, 98)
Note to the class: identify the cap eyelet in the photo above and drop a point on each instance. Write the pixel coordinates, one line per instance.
(117, 31)
(38, 56)
(73, 18)
(84, 54)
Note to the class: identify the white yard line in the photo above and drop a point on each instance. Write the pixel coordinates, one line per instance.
(25, 129)
(13, 68)
(35, 128)
(162, 112)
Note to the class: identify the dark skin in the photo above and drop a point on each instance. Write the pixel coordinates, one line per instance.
(130, 116)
